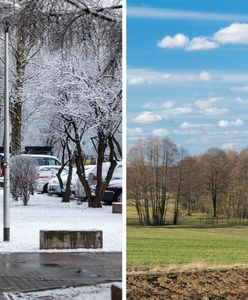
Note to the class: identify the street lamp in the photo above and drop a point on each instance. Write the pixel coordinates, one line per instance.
(6, 213)
(7, 8)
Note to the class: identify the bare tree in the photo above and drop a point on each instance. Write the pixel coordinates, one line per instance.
(153, 161)
(23, 175)
(214, 169)
(178, 181)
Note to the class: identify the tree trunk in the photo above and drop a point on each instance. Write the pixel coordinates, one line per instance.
(16, 107)
(67, 192)
(189, 206)
(176, 207)
(101, 185)
(103, 142)
(16, 116)
(214, 199)
(80, 164)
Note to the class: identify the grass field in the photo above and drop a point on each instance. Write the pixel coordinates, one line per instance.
(216, 245)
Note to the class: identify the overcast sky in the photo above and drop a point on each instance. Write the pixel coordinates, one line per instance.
(187, 73)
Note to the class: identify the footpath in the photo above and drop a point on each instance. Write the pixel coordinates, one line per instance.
(26, 272)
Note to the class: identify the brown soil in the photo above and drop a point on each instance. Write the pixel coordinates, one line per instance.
(201, 285)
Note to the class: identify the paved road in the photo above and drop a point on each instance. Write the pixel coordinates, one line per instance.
(23, 272)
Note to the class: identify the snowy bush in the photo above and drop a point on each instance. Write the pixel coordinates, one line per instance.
(23, 172)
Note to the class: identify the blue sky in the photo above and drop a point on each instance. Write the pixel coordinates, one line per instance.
(187, 76)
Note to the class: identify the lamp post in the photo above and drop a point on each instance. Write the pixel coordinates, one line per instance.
(7, 8)
(6, 212)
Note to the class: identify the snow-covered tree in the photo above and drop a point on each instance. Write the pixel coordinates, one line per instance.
(85, 93)
(22, 177)
(23, 68)
(53, 23)
(80, 86)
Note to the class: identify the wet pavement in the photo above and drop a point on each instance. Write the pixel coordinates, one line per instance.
(24, 272)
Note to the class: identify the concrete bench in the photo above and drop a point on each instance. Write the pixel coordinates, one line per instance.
(117, 208)
(116, 292)
(67, 239)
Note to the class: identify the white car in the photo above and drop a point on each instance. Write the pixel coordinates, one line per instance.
(45, 174)
(54, 187)
(43, 159)
(92, 177)
(48, 166)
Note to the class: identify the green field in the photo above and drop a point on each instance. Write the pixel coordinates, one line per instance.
(215, 245)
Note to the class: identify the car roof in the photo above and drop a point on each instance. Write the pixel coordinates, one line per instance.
(39, 155)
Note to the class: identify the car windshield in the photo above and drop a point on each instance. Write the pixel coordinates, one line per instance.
(46, 161)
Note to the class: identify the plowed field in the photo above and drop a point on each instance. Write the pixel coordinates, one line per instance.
(203, 285)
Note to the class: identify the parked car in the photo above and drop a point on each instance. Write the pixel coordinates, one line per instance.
(44, 160)
(113, 193)
(92, 177)
(45, 174)
(54, 186)
(48, 166)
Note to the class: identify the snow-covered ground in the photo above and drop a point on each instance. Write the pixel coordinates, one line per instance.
(101, 291)
(48, 212)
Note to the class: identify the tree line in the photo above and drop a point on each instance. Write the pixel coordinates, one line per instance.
(213, 183)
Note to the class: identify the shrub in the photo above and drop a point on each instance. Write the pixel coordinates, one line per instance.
(23, 172)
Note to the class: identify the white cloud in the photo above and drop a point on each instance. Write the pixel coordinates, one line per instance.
(189, 131)
(225, 123)
(228, 146)
(241, 101)
(205, 76)
(186, 125)
(147, 117)
(236, 33)
(177, 41)
(181, 41)
(201, 43)
(176, 111)
(148, 76)
(160, 132)
(155, 106)
(243, 88)
(152, 77)
(159, 13)
(151, 105)
(238, 122)
(205, 103)
(233, 77)
(214, 111)
(134, 131)
(136, 80)
(227, 137)
(168, 104)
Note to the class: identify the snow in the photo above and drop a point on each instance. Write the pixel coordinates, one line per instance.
(49, 213)
(101, 291)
